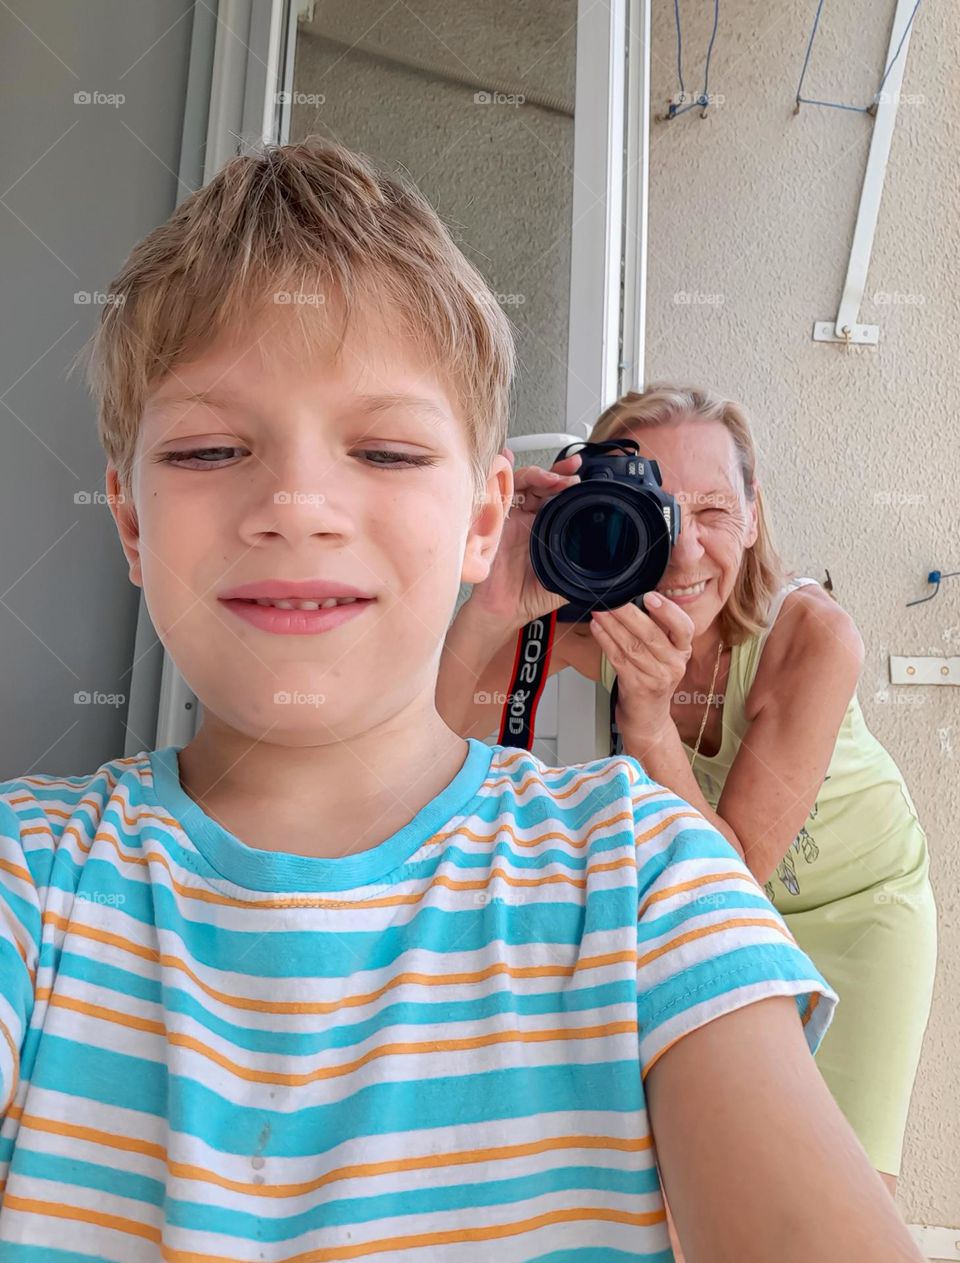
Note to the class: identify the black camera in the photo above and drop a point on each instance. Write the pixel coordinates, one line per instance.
(606, 540)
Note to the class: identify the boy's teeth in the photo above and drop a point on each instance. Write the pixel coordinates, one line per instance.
(308, 605)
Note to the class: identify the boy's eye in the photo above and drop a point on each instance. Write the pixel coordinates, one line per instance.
(397, 458)
(208, 456)
(176, 458)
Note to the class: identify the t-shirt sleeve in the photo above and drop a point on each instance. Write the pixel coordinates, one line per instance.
(20, 926)
(708, 939)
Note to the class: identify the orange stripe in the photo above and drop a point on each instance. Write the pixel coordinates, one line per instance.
(453, 1236)
(703, 931)
(178, 1040)
(213, 897)
(15, 1055)
(357, 1170)
(333, 1006)
(132, 821)
(535, 778)
(15, 870)
(93, 1135)
(48, 782)
(57, 1210)
(324, 1007)
(812, 1002)
(209, 896)
(495, 1232)
(707, 880)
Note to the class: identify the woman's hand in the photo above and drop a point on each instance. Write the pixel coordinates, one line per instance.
(512, 593)
(649, 649)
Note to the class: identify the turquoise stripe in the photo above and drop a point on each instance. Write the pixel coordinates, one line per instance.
(473, 1194)
(268, 953)
(129, 1082)
(505, 852)
(730, 902)
(16, 1252)
(100, 1074)
(35, 1164)
(344, 1033)
(122, 982)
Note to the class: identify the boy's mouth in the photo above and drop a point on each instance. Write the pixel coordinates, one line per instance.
(297, 618)
(282, 604)
(276, 591)
(296, 607)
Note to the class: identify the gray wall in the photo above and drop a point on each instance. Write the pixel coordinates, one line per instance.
(500, 174)
(82, 183)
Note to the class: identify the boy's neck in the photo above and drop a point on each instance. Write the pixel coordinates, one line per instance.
(324, 801)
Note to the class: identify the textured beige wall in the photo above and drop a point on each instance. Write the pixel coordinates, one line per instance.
(752, 211)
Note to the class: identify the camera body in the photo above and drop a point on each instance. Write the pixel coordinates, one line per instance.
(606, 540)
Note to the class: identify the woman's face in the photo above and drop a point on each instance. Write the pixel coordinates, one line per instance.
(698, 464)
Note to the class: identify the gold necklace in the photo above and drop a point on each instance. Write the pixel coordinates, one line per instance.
(706, 712)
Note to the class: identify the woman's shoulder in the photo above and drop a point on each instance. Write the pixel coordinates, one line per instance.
(810, 626)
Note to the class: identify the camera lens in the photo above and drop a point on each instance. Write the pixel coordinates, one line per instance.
(601, 541)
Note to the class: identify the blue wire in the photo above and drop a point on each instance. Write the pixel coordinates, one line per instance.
(806, 60)
(897, 53)
(835, 105)
(703, 100)
(676, 10)
(713, 36)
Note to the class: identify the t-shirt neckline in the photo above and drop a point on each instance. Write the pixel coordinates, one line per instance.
(283, 871)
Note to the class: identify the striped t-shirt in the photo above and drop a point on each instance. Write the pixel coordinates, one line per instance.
(433, 1049)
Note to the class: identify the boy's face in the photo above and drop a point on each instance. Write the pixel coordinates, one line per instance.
(319, 480)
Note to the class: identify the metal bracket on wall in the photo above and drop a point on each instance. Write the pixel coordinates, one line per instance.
(924, 670)
(845, 328)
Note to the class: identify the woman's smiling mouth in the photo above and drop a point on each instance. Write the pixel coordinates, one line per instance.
(685, 594)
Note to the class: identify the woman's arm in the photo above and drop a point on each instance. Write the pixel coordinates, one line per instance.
(778, 771)
(757, 1160)
(477, 661)
(474, 642)
(806, 685)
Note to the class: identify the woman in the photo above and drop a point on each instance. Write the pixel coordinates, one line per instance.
(737, 690)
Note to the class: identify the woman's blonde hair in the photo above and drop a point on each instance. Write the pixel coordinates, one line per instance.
(297, 225)
(762, 572)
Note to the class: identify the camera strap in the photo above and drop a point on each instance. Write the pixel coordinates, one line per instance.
(529, 675)
(527, 680)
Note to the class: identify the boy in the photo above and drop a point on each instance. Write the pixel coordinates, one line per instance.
(331, 982)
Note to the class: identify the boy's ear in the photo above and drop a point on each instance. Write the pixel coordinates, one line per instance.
(128, 525)
(483, 537)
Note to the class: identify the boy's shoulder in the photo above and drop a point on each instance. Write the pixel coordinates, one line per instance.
(39, 807)
(601, 796)
(519, 773)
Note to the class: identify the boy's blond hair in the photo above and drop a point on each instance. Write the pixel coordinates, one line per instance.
(311, 218)
(762, 571)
